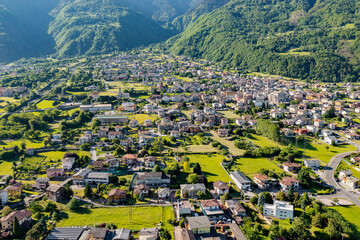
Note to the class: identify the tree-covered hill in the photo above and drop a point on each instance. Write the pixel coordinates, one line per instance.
(102, 26)
(305, 39)
(23, 28)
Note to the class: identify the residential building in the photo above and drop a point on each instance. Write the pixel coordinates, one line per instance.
(23, 216)
(65, 233)
(116, 195)
(149, 234)
(279, 209)
(183, 208)
(262, 181)
(212, 209)
(192, 189)
(42, 183)
(164, 193)
(241, 181)
(153, 179)
(222, 132)
(54, 172)
(4, 197)
(291, 166)
(313, 164)
(96, 108)
(221, 188)
(288, 182)
(95, 178)
(235, 207)
(199, 225)
(55, 192)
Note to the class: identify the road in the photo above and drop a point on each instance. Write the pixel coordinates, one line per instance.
(329, 177)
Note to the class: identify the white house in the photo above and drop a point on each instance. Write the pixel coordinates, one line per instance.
(313, 164)
(241, 181)
(221, 188)
(279, 209)
(68, 162)
(4, 197)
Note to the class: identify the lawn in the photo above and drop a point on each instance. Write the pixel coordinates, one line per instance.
(316, 149)
(124, 85)
(197, 149)
(210, 165)
(228, 114)
(134, 218)
(9, 99)
(262, 141)
(108, 93)
(44, 104)
(142, 117)
(29, 143)
(350, 213)
(230, 145)
(251, 166)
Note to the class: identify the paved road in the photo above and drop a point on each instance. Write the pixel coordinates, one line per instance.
(329, 177)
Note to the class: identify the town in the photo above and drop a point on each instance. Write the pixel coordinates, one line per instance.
(150, 146)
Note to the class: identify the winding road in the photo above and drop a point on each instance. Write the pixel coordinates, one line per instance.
(329, 172)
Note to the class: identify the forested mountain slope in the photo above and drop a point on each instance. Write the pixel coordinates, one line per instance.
(23, 28)
(102, 26)
(304, 39)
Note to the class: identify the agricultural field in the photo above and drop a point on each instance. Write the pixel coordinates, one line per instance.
(251, 166)
(108, 93)
(134, 218)
(44, 104)
(210, 165)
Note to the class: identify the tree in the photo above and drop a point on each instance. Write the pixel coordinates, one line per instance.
(305, 201)
(281, 196)
(268, 198)
(88, 190)
(304, 177)
(225, 197)
(6, 211)
(254, 200)
(165, 234)
(68, 192)
(186, 167)
(37, 231)
(290, 194)
(16, 227)
(200, 194)
(50, 207)
(261, 200)
(85, 147)
(197, 169)
(317, 221)
(333, 229)
(192, 178)
(73, 204)
(156, 168)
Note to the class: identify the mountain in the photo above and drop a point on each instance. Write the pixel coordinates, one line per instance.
(23, 28)
(31, 28)
(198, 9)
(102, 26)
(164, 10)
(304, 39)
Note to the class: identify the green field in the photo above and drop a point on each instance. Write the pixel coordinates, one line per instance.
(210, 165)
(29, 143)
(142, 117)
(251, 166)
(262, 141)
(45, 104)
(228, 114)
(134, 218)
(124, 85)
(350, 213)
(197, 149)
(230, 145)
(317, 150)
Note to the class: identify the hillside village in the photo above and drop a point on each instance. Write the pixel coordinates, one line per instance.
(149, 146)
